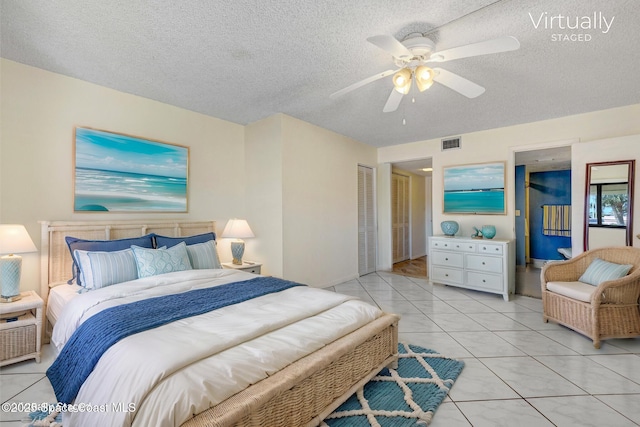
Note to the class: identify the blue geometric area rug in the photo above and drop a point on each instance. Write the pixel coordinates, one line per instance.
(407, 396)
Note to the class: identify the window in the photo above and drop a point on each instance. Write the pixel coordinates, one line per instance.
(608, 205)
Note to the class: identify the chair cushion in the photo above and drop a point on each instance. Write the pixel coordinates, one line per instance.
(602, 271)
(576, 290)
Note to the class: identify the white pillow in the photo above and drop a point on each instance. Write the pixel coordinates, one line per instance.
(204, 255)
(100, 269)
(151, 262)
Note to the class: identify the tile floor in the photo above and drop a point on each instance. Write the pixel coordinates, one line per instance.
(518, 369)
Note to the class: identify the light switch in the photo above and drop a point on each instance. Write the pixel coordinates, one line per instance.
(517, 212)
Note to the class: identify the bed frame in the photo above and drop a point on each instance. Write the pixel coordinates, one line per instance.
(302, 394)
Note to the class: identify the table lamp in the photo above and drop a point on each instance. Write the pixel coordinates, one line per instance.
(14, 239)
(237, 229)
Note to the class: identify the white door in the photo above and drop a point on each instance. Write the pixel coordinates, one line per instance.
(367, 239)
(400, 216)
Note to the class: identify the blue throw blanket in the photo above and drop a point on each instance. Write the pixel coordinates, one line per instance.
(87, 344)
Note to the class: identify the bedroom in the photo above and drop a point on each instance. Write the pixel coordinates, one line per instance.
(287, 177)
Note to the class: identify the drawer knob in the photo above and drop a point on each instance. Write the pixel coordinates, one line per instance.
(446, 259)
(446, 275)
(484, 247)
(497, 249)
(484, 281)
(483, 263)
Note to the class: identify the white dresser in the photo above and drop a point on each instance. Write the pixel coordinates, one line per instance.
(479, 264)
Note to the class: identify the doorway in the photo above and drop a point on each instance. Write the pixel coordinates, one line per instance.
(400, 217)
(542, 187)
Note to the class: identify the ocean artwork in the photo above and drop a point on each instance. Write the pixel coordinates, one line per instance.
(121, 173)
(475, 189)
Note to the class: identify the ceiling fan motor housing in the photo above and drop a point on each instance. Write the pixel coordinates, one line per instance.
(421, 48)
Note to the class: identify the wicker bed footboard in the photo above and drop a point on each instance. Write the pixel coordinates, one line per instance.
(308, 390)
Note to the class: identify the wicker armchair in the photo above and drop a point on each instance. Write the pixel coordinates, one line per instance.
(612, 311)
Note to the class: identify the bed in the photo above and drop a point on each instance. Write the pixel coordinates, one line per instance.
(301, 390)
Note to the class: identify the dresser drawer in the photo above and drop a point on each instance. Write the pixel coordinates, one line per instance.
(488, 248)
(449, 259)
(442, 243)
(484, 263)
(484, 281)
(465, 247)
(447, 275)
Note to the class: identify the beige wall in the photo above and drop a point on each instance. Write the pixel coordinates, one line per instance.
(39, 112)
(320, 203)
(263, 170)
(500, 145)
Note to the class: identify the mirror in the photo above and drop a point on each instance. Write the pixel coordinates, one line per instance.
(609, 204)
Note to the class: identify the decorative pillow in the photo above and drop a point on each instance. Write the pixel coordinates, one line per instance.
(189, 240)
(601, 271)
(151, 262)
(204, 255)
(102, 246)
(100, 269)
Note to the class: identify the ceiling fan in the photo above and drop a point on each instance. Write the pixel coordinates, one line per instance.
(412, 56)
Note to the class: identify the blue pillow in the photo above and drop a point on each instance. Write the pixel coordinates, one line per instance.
(204, 255)
(151, 262)
(189, 240)
(100, 269)
(102, 246)
(602, 271)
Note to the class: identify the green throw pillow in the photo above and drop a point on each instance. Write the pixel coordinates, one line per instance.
(601, 271)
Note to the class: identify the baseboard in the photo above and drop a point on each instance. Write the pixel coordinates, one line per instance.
(337, 281)
(539, 263)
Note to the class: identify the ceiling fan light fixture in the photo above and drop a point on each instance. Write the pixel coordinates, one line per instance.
(402, 81)
(424, 77)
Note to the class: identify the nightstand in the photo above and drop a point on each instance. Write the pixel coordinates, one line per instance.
(248, 266)
(21, 329)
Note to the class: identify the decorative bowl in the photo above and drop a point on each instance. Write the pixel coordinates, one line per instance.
(489, 231)
(449, 228)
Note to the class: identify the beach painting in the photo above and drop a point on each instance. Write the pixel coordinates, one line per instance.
(475, 189)
(121, 173)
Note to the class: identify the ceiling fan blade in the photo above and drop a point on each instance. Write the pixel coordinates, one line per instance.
(391, 45)
(361, 83)
(393, 102)
(457, 83)
(502, 44)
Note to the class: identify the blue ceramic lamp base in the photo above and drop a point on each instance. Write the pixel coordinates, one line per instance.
(10, 269)
(237, 251)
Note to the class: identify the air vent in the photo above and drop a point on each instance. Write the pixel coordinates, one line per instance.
(451, 143)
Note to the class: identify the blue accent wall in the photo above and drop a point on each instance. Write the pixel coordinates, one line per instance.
(520, 200)
(547, 188)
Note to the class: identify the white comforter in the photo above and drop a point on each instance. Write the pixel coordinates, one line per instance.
(169, 373)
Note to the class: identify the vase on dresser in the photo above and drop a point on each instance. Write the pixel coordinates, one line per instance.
(489, 231)
(449, 228)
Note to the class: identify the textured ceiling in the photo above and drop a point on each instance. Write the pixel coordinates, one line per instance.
(246, 60)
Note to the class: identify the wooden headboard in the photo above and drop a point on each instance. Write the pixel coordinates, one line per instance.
(55, 259)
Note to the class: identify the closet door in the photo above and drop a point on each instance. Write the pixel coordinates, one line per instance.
(400, 216)
(366, 221)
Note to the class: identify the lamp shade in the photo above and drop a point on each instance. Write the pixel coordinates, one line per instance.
(402, 81)
(424, 77)
(14, 239)
(238, 229)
